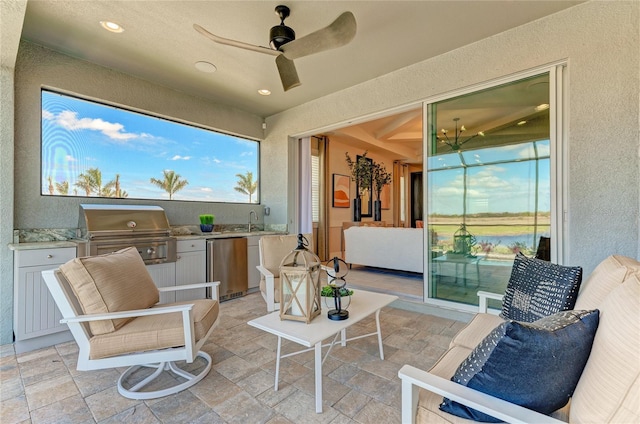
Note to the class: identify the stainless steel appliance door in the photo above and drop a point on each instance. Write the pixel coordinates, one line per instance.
(227, 263)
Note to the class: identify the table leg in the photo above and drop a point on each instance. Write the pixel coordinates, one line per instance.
(379, 334)
(275, 387)
(318, 371)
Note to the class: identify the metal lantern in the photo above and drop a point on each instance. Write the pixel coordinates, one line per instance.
(463, 241)
(300, 284)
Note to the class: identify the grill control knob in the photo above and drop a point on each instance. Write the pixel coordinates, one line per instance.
(151, 251)
(131, 224)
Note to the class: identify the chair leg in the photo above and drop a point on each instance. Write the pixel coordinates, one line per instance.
(136, 393)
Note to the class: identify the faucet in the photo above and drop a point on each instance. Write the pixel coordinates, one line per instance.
(254, 214)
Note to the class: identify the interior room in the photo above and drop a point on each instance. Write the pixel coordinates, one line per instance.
(502, 132)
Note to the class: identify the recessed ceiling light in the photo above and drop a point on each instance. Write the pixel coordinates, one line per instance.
(543, 106)
(264, 92)
(111, 26)
(207, 67)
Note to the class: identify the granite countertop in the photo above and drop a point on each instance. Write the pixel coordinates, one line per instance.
(43, 245)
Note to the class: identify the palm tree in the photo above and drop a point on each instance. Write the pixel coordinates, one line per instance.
(50, 185)
(63, 187)
(91, 181)
(114, 188)
(171, 183)
(246, 185)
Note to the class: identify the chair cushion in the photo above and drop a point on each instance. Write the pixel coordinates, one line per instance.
(538, 288)
(274, 248)
(608, 275)
(113, 282)
(609, 389)
(476, 330)
(155, 331)
(535, 365)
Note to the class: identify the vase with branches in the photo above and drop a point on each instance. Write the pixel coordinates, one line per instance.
(380, 178)
(360, 173)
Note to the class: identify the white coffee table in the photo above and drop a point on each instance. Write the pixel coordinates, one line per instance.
(363, 304)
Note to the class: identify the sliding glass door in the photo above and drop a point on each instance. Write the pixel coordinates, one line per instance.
(491, 183)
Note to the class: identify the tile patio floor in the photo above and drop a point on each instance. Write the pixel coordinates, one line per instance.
(43, 386)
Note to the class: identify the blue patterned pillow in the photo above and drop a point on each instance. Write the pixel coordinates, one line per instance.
(539, 288)
(536, 365)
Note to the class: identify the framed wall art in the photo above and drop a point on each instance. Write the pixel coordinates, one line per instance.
(341, 191)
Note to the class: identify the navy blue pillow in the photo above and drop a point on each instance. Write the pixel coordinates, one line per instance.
(535, 365)
(539, 288)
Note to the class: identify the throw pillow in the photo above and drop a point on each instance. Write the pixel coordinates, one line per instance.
(538, 288)
(114, 282)
(535, 365)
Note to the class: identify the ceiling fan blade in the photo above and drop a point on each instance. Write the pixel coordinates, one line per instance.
(337, 34)
(235, 43)
(288, 73)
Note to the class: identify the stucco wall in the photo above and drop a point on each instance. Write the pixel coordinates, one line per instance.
(600, 40)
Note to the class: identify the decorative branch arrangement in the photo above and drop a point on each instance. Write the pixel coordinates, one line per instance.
(380, 178)
(361, 171)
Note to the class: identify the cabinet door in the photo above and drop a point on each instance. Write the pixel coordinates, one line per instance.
(36, 313)
(253, 260)
(164, 275)
(190, 269)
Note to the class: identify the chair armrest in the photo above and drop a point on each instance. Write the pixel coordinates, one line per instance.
(215, 295)
(483, 296)
(414, 378)
(129, 314)
(264, 271)
(270, 288)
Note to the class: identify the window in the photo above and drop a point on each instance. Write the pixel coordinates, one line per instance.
(489, 186)
(91, 149)
(315, 187)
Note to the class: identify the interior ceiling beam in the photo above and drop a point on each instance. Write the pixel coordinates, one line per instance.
(361, 134)
(396, 125)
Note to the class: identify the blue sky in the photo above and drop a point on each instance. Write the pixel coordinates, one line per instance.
(78, 135)
(501, 179)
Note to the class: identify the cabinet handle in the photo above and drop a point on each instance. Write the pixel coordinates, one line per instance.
(178, 257)
(49, 256)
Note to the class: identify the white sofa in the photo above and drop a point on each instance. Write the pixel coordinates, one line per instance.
(385, 247)
(608, 390)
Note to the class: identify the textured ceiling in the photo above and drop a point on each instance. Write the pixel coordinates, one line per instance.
(160, 45)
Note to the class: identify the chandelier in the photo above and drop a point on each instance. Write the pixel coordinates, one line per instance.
(456, 143)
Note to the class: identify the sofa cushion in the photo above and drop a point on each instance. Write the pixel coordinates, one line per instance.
(536, 365)
(114, 282)
(608, 275)
(538, 288)
(152, 332)
(609, 389)
(476, 330)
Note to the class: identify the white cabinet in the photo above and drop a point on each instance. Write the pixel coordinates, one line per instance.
(253, 260)
(164, 275)
(189, 268)
(36, 318)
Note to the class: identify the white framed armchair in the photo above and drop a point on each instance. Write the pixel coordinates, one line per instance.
(272, 249)
(110, 304)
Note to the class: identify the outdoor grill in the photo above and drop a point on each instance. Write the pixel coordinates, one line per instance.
(108, 228)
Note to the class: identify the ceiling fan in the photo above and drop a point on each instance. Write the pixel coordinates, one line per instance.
(286, 48)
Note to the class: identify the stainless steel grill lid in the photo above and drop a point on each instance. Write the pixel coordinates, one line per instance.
(113, 220)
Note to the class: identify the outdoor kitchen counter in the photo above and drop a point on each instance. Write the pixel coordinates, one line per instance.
(42, 245)
(227, 234)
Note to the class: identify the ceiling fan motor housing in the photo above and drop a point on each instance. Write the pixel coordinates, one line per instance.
(280, 35)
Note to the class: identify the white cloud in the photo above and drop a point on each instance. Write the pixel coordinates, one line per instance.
(69, 120)
(70, 158)
(47, 115)
(217, 160)
(178, 157)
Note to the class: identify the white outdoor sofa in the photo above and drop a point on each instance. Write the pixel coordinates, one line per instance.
(385, 247)
(608, 390)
